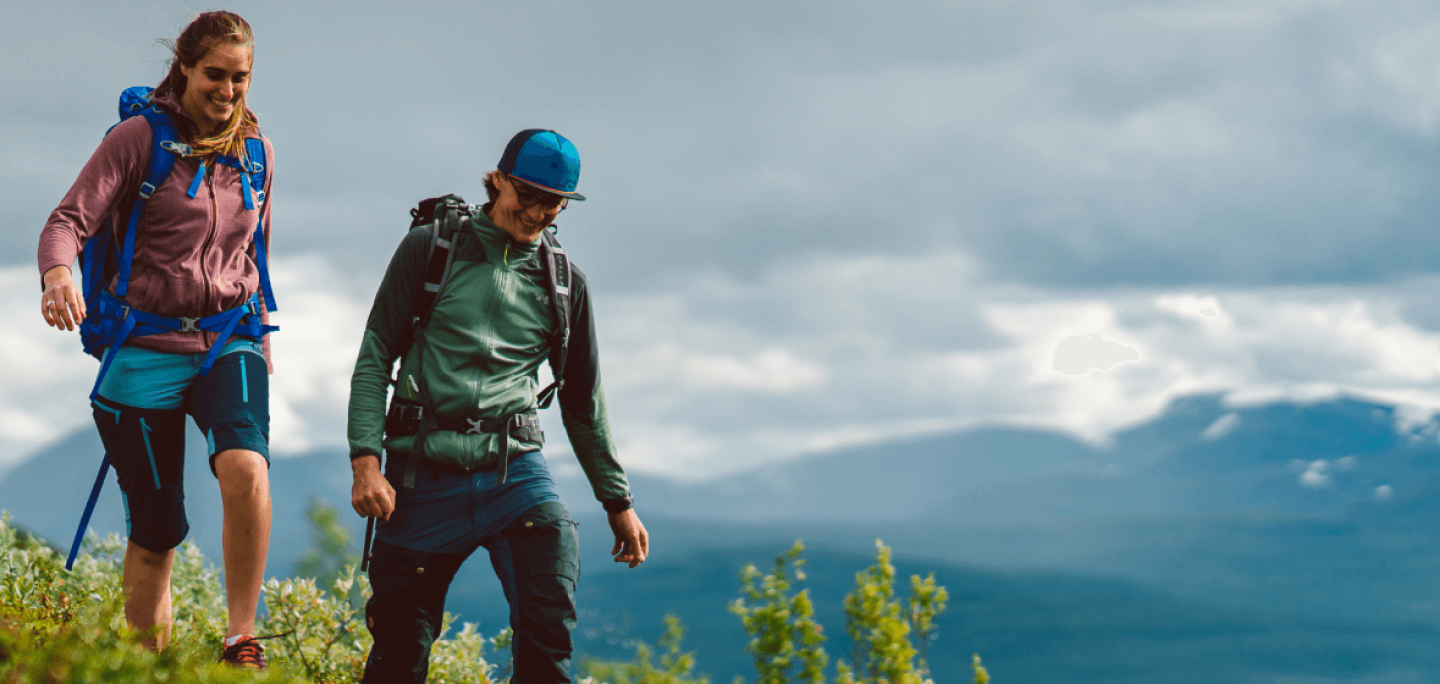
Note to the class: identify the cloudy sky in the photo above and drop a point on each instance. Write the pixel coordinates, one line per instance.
(815, 224)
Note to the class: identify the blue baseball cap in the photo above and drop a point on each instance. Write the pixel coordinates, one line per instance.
(543, 159)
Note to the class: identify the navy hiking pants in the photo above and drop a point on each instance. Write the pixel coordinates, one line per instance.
(535, 554)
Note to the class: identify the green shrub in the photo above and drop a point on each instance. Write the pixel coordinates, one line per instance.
(58, 627)
(69, 627)
(675, 666)
(785, 639)
(787, 643)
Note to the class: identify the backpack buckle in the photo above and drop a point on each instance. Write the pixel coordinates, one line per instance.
(475, 428)
(146, 190)
(189, 324)
(178, 148)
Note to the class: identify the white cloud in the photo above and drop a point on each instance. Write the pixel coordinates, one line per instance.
(314, 353)
(1222, 426)
(764, 371)
(1317, 475)
(1384, 493)
(1080, 354)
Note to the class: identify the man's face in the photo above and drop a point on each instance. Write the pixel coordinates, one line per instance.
(522, 210)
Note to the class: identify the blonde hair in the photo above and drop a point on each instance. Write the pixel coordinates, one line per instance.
(206, 31)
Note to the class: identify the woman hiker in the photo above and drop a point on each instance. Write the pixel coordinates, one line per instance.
(181, 324)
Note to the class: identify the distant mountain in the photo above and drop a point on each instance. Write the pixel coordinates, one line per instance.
(882, 482)
(1176, 464)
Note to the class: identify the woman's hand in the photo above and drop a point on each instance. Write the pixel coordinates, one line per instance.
(61, 302)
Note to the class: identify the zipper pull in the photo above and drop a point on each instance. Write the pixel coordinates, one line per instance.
(195, 184)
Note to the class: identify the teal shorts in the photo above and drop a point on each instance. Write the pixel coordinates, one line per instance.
(148, 379)
(140, 411)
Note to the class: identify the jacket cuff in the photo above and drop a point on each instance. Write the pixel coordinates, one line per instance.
(619, 504)
(364, 451)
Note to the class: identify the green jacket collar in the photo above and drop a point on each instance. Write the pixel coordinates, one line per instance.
(498, 243)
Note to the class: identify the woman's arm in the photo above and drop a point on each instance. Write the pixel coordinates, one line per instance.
(106, 178)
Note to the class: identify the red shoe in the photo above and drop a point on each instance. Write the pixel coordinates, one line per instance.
(245, 651)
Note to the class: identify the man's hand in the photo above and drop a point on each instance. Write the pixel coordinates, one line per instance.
(371, 495)
(632, 543)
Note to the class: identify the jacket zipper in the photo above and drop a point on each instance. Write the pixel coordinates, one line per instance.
(212, 224)
(491, 310)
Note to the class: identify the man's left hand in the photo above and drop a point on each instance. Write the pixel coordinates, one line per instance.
(632, 543)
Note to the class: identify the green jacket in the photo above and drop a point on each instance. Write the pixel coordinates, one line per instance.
(490, 330)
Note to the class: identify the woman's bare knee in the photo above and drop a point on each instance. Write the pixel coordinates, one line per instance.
(241, 469)
(150, 561)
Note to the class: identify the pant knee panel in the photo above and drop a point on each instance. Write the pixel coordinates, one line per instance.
(545, 557)
(147, 449)
(232, 404)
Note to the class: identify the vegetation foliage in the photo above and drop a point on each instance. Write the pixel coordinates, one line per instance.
(69, 627)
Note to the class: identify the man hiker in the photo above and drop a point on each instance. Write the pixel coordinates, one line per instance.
(464, 470)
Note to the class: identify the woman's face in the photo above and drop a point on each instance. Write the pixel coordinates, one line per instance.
(215, 85)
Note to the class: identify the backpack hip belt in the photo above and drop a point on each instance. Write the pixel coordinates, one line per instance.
(406, 419)
(115, 322)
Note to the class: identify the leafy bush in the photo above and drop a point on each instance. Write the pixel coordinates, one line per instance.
(889, 641)
(784, 636)
(69, 627)
(675, 666)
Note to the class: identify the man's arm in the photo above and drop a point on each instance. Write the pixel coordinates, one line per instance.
(582, 404)
(582, 408)
(387, 330)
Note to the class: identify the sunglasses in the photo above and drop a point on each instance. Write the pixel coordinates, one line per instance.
(529, 198)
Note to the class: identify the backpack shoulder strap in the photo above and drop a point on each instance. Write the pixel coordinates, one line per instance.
(253, 170)
(443, 230)
(445, 215)
(557, 268)
(164, 149)
(441, 218)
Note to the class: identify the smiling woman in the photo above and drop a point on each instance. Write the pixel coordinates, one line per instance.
(178, 193)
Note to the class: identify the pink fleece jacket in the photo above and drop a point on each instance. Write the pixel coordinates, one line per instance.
(193, 257)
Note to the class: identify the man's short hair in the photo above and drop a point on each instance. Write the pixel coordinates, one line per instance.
(491, 190)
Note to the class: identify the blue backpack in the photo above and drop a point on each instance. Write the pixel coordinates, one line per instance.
(107, 255)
